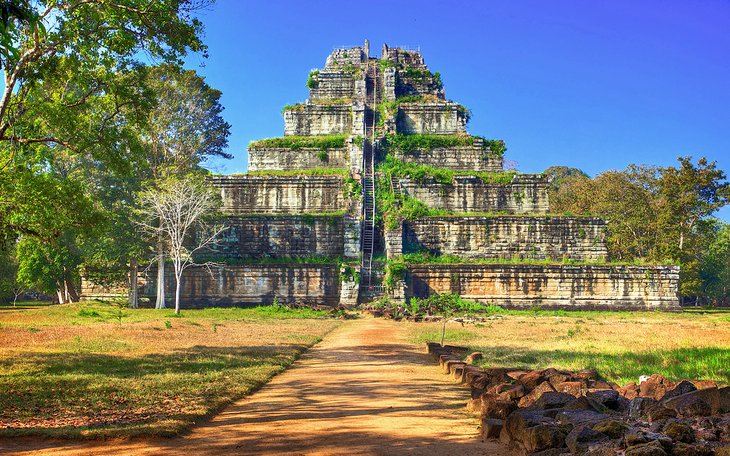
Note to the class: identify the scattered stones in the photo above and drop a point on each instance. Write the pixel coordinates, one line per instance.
(471, 358)
(679, 432)
(491, 428)
(534, 395)
(615, 429)
(555, 413)
(653, 448)
(582, 437)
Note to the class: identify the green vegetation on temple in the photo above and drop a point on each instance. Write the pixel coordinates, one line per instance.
(425, 257)
(302, 172)
(301, 142)
(410, 143)
(445, 176)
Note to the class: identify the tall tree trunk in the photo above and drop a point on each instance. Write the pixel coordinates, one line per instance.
(177, 292)
(68, 286)
(133, 285)
(160, 303)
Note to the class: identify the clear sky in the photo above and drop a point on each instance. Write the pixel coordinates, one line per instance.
(595, 85)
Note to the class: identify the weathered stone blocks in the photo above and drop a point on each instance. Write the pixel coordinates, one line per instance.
(318, 120)
(552, 286)
(280, 159)
(530, 237)
(255, 284)
(526, 194)
(431, 118)
(332, 85)
(280, 236)
(245, 195)
(469, 158)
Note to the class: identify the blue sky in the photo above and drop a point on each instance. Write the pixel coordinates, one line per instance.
(593, 85)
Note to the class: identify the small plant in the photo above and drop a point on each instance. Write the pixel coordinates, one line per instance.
(312, 82)
(168, 324)
(214, 327)
(323, 156)
(88, 313)
(119, 312)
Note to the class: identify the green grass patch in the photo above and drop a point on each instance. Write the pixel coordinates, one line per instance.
(445, 176)
(323, 171)
(424, 142)
(102, 380)
(301, 142)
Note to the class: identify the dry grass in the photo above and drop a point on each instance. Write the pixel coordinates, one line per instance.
(75, 371)
(620, 346)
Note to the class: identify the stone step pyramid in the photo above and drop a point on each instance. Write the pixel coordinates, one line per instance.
(304, 230)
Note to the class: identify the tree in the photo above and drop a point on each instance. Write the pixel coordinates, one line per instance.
(626, 206)
(715, 268)
(558, 174)
(185, 128)
(74, 84)
(175, 212)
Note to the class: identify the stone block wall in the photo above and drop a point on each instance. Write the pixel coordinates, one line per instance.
(280, 236)
(318, 120)
(430, 118)
(468, 158)
(301, 284)
(332, 85)
(278, 159)
(403, 57)
(247, 195)
(527, 194)
(524, 237)
(342, 57)
(601, 287)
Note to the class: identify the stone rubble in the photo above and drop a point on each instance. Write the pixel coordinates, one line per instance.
(554, 412)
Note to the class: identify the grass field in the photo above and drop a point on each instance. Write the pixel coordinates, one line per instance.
(620, 346)
(95, 370)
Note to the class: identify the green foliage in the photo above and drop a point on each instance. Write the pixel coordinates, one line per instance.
(350, 274)
(444, 176)
(307, 259)
(395, 271)
(296, 107)
(410, 143)
(352, 188)
(323, 156)
(465, 112)
(386, 64)
(300, 142)
(312, 82)
(302, 172)
(655, 214)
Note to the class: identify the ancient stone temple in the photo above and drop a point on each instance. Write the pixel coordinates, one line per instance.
(377, 190)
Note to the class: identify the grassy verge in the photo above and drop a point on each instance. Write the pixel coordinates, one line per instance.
(75, 371)
(621, 346)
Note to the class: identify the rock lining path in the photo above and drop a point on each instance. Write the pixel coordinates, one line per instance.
(363, 390)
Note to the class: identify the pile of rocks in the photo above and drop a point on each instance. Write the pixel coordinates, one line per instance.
(554, 412)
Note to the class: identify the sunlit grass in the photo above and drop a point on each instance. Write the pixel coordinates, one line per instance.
(621, 346)
(75, 371)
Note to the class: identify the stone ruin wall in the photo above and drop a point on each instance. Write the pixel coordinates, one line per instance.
(508, 237)
(281, 159)
(430, 118)
(318, 120)
(280, 236)
(332, 85)
(526, 194)
(245, 195)
(253, 284)
(599, 287)
(467, 158)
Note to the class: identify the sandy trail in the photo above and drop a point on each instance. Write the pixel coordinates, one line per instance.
(363, 390)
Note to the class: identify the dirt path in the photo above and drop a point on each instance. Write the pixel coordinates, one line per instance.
(363, 390)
